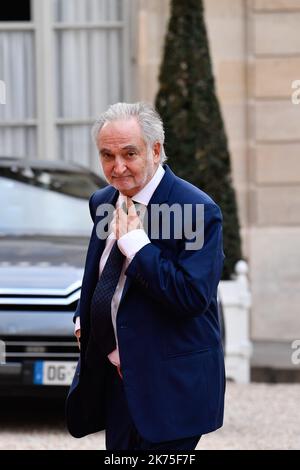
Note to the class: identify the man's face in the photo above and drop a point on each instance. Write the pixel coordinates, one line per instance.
(126, 163)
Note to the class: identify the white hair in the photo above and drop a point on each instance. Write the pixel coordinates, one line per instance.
(148, 118)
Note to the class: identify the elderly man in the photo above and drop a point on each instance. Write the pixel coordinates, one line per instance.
(151, 367)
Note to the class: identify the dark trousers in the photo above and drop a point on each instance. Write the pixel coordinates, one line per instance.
(121, 433)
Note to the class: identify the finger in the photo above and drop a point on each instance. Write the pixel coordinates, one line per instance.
(134, 223)
(129, 201)
(115, 216)
(115, 225)
(124, 207)
(122, 217)
(113, 228)
(122, 222)
(131, 207)
(118, 222)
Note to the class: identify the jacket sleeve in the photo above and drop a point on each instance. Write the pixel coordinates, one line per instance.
(187, 284)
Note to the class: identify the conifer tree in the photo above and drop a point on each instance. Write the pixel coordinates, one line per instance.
(196, 143)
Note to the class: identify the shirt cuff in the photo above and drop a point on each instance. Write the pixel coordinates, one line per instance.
(77, 324)
(114, 357)
(132, 242)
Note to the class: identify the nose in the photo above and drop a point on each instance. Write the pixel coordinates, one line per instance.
(119, 166)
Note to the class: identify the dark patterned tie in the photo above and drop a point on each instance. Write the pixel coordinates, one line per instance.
(102, 330)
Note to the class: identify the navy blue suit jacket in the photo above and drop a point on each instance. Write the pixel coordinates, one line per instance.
(168, 330)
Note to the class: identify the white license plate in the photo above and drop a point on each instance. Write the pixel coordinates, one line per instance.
(54, 372)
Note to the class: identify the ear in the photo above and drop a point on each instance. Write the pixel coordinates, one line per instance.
(156, 152)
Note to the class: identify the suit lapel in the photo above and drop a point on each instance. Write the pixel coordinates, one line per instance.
(95, 251)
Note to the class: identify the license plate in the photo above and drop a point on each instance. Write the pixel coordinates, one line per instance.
(54, 372)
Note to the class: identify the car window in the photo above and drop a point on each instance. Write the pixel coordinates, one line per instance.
(50, 207)
(76, 184)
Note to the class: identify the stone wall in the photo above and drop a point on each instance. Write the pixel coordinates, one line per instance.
(274, 149)
(255, 48)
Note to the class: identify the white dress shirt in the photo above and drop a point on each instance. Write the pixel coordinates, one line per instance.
(129, 244)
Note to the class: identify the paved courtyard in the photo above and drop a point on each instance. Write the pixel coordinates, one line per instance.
(257, 416)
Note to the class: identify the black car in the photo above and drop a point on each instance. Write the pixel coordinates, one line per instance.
(44, 231)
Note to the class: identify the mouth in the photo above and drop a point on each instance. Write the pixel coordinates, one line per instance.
(121, 177)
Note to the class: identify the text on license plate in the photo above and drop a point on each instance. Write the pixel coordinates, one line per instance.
(54, 372)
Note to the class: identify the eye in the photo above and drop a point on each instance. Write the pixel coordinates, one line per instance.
(106, 156)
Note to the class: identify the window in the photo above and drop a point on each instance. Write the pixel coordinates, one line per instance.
(90, 63)
(18, 136)
(15, 10)
(63, 62)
